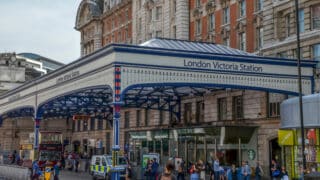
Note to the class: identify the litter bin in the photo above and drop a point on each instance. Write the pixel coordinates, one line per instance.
(47, 173)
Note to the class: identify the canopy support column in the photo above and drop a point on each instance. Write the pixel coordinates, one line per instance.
(116, 170)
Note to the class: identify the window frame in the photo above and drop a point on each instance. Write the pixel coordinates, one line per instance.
(242, 8)
(211, 21)
(237, 109)
(226, 15)
(222, 109)
(313, 18)
(198, 27)
(158, 13)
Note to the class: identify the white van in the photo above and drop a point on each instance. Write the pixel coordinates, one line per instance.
(100, 166)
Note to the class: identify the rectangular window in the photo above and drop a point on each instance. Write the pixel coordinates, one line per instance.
(222, 109)
(198, 26)
(161, 117)
(211, 22)
(79, 125)
(174, 32)
(226, 41)
(287, 23)
(158, 13)
(226, 15)
(73, 126)
(146, 117)
(139, 26)
(243, 41)
(138, 118)
(301, 20)
(282, 54)
(259, 5)
(315, 17)
(149, 15)
(316, 54)
(259, 34)
(200, 111)
(158, 33)
(174, 6)
(187, 113)
(242, 8)
(198, 3)
(85, 125)
(274, 101)
(100, 123)
(108, 147)
(127, 119)
(92, 124)
(237, 107)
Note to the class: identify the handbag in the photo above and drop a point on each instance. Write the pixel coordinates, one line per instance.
(276, 173)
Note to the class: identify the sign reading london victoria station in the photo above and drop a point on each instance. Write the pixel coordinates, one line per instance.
(223, 66)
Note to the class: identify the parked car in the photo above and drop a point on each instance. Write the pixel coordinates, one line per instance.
(100, 166)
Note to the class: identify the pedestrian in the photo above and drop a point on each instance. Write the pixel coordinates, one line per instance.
(245, 170)
(195, 175)
(154, 169)
(259, 172)
(215, 168)
(202, 169)
(168, 172)
(56, 170)
(275, 170)
(14, 154)
(76, 163)
(284, 174)
(180, 175)
(36, 171)
(129, 172)
(233, 173)
(148, 169)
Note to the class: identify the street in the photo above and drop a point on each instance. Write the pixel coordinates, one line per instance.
(71, 175)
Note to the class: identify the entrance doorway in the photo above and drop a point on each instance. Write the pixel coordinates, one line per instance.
(275, 151)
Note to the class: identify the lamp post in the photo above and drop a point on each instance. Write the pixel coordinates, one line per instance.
(299, 85)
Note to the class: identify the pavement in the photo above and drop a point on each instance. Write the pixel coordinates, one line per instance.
(71, 175)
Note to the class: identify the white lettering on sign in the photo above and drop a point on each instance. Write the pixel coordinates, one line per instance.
(216, 65)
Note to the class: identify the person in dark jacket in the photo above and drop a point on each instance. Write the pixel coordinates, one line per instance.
(258, 172)
(154, 169)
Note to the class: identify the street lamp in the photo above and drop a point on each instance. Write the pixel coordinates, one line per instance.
(299, 85)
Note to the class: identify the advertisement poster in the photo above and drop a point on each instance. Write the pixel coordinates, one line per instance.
(149, 156)
(177, 162)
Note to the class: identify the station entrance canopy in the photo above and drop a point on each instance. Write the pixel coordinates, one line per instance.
(153, 75)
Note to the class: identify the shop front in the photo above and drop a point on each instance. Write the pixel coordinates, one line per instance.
(290, 135)
(230, 144)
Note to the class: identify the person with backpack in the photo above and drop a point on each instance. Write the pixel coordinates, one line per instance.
(275, 170)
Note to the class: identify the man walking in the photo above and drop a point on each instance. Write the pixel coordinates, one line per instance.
(56, 170)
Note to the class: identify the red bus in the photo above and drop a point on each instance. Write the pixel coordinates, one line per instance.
(50, 147)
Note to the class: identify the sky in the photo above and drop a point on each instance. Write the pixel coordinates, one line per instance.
(44, 27)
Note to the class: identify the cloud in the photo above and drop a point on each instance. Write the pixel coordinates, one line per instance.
(44, 27)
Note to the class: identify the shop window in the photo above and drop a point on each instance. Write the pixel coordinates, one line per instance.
(146, 117)
(92, 124)
(127, 119)
(237, 107)
(100, 123)
(158, 34)
(222, 109)
(138, 118)
(187, 113)
(200, 111)
(315, 16)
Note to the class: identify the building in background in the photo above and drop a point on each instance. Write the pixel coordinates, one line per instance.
(159, 19)
(12, 71)
(101, 22)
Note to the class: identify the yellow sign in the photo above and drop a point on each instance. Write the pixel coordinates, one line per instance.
(26, 147)
(286, 137)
